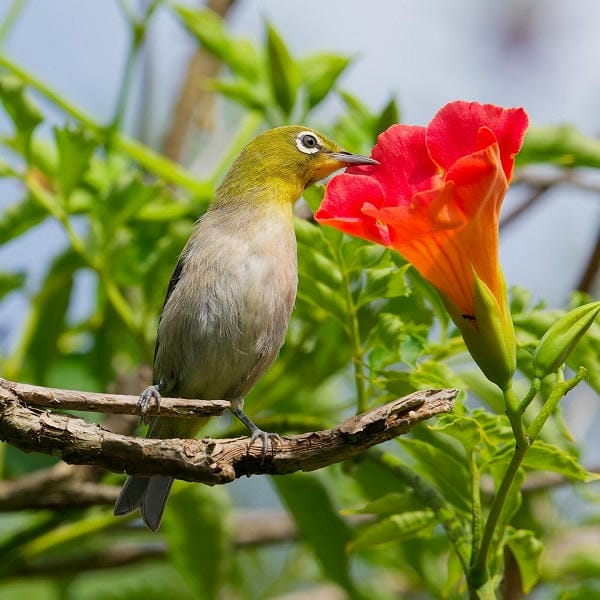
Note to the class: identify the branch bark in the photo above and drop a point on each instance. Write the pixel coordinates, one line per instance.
(208, 461)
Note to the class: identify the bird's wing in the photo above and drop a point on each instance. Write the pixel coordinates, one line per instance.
(175, 277)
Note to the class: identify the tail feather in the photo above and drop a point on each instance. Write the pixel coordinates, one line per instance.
(149, 494)
(131, 495)
(155, 499)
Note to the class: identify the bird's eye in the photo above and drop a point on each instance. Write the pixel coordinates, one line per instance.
(308, 142)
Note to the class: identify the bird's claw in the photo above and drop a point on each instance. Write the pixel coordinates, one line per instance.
(150, 394)
(267, 439)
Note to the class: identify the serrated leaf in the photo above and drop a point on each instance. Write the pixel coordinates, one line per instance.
(197, 531)
(283, 71)
(547, 457)
(395, 528)
(526, 549)
(319, 74)
(75, 149)
(387, 282)
(463, 429)
(320, 525)
(24, 113)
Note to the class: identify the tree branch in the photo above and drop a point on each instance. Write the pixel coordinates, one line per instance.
(207, 460)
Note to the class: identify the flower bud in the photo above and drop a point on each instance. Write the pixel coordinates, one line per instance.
(560, 339)
(489, 334)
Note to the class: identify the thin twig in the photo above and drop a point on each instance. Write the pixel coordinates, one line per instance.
(207, 461)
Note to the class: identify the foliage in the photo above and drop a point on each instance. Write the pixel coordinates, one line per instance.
(366, 328)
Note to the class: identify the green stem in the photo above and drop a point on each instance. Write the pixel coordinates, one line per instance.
(430, 497)
(559, 391)
(358, 352)
(478, 573)
(118, 302)
(137, 30)
(12, 14)
(147, 158)
(476, 522)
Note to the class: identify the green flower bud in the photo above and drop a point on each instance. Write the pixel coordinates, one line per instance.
(560, 339)
(489, 334)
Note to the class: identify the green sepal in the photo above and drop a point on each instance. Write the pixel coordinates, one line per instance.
(560, 339)
(490, 337)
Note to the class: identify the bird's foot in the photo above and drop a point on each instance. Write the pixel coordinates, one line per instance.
(267, 439)
(149, 395)
(256, 433)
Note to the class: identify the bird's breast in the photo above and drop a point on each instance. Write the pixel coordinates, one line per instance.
(227, 317)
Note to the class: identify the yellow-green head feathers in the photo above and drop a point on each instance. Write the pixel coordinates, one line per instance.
(280, 163)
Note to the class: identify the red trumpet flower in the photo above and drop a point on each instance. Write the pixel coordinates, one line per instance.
(436, 197)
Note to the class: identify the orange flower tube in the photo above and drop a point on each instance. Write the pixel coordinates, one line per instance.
(436, 198)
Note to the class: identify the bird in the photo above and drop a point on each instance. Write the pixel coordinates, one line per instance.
(230, 296)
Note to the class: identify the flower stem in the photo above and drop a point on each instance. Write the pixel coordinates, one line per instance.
(476, 521)
(559, 391)
(478, 573)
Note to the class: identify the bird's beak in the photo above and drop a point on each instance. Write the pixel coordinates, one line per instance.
(352, 159)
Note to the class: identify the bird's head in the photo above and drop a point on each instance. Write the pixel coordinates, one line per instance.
(284, 161)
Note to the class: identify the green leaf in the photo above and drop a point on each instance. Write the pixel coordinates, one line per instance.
(10, 282)
(439, 466)
(388, 117)
(20, 217)
(389, 282)
(283, 71)
(319, 73)
(252, 96)
(395, 528)
(466, 430)
(197, 531)
(547, 457)
(47, 316)
(389, 504)
(75, 149)
(207, 27)
(526, 549)
(562, 145)
(320, 525)
(24, 113)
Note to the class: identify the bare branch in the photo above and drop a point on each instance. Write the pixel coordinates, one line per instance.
(207, 461)
(43, 397)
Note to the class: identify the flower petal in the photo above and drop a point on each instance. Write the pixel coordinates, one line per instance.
(405, 165)
(342, 205)
(454, 132)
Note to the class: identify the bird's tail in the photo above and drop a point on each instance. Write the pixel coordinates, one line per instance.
(149, 494)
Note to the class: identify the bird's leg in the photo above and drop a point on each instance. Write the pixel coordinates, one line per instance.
(237, 408)
(150, 394)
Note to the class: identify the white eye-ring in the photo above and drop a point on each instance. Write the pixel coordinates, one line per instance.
(308, 142)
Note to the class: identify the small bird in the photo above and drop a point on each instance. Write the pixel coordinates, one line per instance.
(229, 300)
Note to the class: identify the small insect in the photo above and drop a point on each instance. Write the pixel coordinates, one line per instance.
(468, 317)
